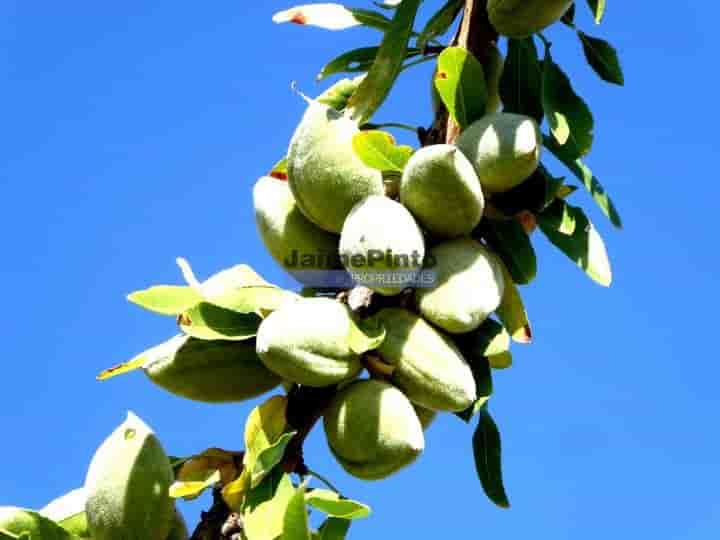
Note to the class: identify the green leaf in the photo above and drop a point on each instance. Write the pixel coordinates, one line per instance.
(209, 322)
(603, 58)
(521, 81)
(334, 529)
(598, 9)
(440, 22)
(354, 61)
(558, 217)
(482, 374)
(296, 523)
(501, 361)
(243, 290)
(265, 515)
(371, 19)
(192, 488)
(509, 240)
(460, 81)
(373, 90)
(265, 437)
(166, 349)
(584, 246)
(569, 16)
(489, 339)
(366, 335)
(583, 172)
(488, 453)
(166, 299)
(333, 505)
(512, 313)
(378, 150)
(570, 119)
(269, 458)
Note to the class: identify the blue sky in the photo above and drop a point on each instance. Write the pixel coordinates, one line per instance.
(133, 132)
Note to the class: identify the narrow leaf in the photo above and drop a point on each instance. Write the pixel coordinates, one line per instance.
(460, 81)
(440, 22)
(598, 9)
(380, 79)
(570, 119)
(164, 350)
(166, 299)
(378, 150)
(192, 489)
(603, 58)
(583, 172)
(488, 459)
(521, 81)
(354, 61)
(584, 246)
(333, 505)
(371, 19)
(512, 311)
(558, 217)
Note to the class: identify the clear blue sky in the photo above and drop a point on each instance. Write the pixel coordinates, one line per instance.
(132, 133)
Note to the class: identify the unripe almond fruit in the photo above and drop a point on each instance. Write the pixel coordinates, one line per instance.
(468, 288)
(521, 18)
(309, 342)
(325, 176)
(127, 486)
(373, 430)
(504, 148)
(441, 189)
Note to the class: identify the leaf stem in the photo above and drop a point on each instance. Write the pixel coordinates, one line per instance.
(322, 479)
(389, 125)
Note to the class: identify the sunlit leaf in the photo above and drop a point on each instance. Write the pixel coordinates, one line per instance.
(512, 311)
(210, 322)
(569, 117)
(166, 299)
(263, 519)
(332, 504)
(460, 81)
(296, 523)
(585, 246)
(387, 66)
(378, 150)
(598, 9)
(591, 183)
